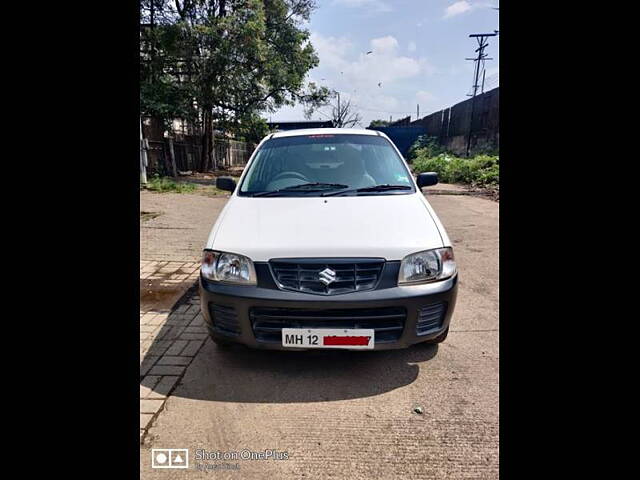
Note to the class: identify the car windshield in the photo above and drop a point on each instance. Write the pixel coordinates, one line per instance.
(313, 165)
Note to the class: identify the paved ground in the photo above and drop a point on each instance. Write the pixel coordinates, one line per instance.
(173, 230)
(346, 414)
(180, 230)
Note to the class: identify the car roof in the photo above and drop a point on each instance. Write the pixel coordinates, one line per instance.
(325, 131)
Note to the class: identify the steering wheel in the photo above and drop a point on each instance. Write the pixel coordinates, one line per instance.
(282, 175)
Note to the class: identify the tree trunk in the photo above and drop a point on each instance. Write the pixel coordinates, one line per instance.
(156, 129)
(214, 157)
(172, 155)
(207, 133)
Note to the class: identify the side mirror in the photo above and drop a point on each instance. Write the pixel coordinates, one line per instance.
(427, 179)
(225, 183)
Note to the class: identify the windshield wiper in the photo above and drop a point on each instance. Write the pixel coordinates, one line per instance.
(304, 187)
(376, 188)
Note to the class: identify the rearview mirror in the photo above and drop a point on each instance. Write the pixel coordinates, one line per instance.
(427, 179)
(225, 183)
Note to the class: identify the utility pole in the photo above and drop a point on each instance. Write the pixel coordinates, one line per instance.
(418, 112)
(337, 113)
(481, 38)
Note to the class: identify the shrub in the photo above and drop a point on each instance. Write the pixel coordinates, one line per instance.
(425, 146)
(480, 171)
(165, 184)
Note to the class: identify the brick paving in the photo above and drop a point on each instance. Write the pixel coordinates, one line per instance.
(169, 337)
(170, 249)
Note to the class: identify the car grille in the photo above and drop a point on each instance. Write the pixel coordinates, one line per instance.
(267, 323)
(430, 318)
(224, 319)
(304, 276)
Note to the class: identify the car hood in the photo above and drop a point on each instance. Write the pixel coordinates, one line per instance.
(383, 226)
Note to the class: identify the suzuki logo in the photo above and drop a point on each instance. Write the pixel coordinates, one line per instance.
(327, 276)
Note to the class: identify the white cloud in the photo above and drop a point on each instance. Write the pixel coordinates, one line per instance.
(346, 67)
(331, 50)
(425, 98)
(412, 46)
(384, 64)
(372, 5)
(384, 45)
(464, 6)
(457, 8)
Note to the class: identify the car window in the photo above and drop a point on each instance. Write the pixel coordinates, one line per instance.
(326, 161)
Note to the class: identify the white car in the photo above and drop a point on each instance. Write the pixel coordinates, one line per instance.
(328, 242)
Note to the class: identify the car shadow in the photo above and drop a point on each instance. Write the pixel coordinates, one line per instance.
(240, 374)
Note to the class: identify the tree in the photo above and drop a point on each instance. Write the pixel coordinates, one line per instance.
(378, 123)
(342, 114)
(222, 62)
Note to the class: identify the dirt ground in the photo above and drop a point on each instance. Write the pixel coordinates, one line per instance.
(174, 226)
(173, 230)
(343, 414)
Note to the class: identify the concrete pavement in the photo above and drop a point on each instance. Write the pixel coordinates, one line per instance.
(352, 414)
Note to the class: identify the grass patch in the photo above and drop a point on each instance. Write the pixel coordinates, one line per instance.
(166, 184)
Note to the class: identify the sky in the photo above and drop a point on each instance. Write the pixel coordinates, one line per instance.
(418, 54)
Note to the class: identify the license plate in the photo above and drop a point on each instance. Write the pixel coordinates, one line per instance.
(350, 338)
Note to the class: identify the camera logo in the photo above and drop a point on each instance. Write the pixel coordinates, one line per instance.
(169, 458)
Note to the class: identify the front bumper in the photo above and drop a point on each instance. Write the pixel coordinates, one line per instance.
(240, 300)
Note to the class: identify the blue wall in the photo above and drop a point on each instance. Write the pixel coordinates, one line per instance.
(403, 137)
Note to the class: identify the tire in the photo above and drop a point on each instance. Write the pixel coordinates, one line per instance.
(439, 339)
(220, 343)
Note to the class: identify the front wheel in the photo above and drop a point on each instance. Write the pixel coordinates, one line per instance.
(220, 343)
(439, 339)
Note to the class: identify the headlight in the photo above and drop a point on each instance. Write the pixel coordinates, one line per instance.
(227, 268)
(427, 266)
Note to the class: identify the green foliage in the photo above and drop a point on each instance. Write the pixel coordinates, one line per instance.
(426, 146)
(378, 123)
(232, 59)
(253, 129)
(480, 171)
(165, 184)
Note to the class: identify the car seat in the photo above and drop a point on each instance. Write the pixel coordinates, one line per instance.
(353, 171)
